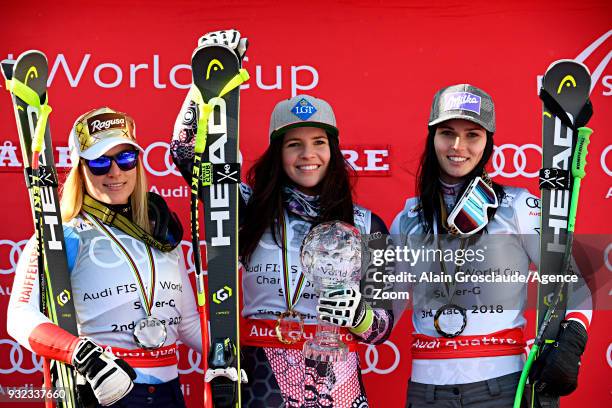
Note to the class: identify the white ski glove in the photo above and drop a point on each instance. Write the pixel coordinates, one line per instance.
(231, 38)
(110, 378)
(346, 308)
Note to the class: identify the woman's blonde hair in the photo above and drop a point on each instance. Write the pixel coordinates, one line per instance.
(73, 191)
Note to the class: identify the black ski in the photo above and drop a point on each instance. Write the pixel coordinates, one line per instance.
(28, 85)
(217, 76)
(566, 107)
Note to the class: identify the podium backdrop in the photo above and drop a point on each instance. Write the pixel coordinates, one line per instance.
(377, 63)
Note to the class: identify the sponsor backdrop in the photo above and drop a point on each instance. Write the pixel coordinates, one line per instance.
(378, 64)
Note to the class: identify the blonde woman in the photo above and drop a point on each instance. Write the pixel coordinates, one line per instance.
(131, 292)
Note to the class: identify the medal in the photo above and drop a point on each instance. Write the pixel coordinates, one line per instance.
(150, 333)
(290, 324)
(290, 327)
(450, 320)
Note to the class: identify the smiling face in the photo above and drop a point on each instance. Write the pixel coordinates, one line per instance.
(459, 146)
(306, 155)
(114, 187)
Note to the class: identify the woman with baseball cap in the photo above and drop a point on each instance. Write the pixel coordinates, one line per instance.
(468, 344)
(131, 292)
(300, 181)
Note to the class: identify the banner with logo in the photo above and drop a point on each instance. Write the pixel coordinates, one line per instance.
(378, 65)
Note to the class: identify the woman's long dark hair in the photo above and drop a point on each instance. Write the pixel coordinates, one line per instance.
(428, 181)
(267, 178)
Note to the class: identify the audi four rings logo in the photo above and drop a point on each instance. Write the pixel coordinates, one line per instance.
(170, 168)
(371, 359)
(194, 359)
(532, 202)
(17, 357)
(517, 165)
(15, 249)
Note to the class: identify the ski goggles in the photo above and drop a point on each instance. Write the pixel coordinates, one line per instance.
(126, 160)
(470, 213)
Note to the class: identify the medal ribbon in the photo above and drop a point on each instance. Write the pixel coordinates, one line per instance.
(290, 300)
(450, 288)
(147, 299)
(450, 293)
(113, 218)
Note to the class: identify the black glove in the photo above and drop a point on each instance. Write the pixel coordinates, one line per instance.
(555, 372)
(84, 393)
(110, 377)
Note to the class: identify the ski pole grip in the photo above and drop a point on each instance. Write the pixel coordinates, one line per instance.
(29, 96)
(236, 81)
(41, 126)
(578, 172)
(202, 133)
(579, 160)
(22, 91)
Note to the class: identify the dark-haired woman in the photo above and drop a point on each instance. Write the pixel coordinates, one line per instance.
(468, 343)
(301, 180)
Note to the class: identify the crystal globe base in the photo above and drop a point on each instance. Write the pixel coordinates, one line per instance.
(325, 348)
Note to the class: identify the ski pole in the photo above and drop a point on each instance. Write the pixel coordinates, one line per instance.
(200, 144)
(578, 173)
(16, 87)
(37, 146)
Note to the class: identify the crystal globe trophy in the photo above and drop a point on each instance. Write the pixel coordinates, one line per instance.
(331, 259)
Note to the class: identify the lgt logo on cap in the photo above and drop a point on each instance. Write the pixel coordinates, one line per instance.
(462, 100)
(303, 109)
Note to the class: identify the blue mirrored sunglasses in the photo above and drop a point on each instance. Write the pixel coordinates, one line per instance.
(126, 160)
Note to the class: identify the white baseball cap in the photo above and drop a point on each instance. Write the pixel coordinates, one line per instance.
(99, 130)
